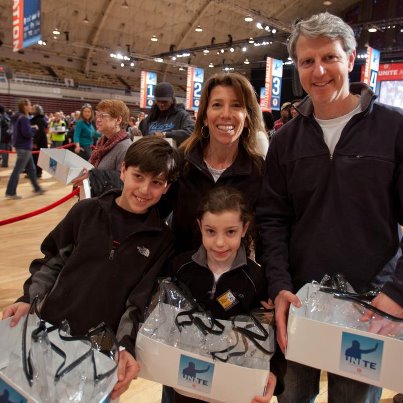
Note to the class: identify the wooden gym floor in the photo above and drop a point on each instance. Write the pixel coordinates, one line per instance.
(20, 244)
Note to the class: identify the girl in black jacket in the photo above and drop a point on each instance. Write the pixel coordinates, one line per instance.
(220, 276)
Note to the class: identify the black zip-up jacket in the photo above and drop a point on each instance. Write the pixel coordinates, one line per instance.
(194, 183)
(245, 280)
(320, 213)
(87, 280)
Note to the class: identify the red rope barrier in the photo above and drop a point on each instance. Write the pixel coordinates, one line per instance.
(37, 152)
(41, 210)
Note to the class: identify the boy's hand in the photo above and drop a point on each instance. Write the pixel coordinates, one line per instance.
(17, 311)
(128, 369)
(271, 385)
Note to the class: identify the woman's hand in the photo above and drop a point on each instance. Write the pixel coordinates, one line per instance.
(80, 178)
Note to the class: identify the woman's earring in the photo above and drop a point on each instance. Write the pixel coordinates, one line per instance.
(203, 134)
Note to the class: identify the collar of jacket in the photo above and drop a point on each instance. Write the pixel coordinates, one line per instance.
(305, 108)
(242, 165)
(200, 257)
(153, 221)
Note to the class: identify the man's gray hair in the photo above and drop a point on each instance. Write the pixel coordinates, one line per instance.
(322, 25)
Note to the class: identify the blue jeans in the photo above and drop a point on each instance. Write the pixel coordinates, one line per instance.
(301, 385)
(24, 161)
(4, 157)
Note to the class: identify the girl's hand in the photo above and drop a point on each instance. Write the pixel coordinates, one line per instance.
(271, 385)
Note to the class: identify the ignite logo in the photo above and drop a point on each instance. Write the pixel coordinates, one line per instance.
(195, 374)
(361, 355)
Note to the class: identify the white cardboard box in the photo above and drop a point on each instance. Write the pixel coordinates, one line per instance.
(324, 346)
(221, 383)
(62, 164)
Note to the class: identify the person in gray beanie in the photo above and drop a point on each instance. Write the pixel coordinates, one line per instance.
(167, 119)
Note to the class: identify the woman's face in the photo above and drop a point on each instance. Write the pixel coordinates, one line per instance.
(106, 124)
(225, 116)
(87, 113)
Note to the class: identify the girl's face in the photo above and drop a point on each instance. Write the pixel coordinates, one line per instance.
(221, 236)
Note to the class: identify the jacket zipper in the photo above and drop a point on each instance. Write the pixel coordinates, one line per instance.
(115, 245)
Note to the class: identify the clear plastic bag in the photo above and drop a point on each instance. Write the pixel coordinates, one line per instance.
(333, 300)
(53, 366)
(174, 318)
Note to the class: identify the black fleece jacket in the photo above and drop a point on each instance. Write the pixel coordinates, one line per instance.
(320, 213)
(87, 280)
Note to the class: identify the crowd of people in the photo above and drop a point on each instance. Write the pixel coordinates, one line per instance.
(245, 224)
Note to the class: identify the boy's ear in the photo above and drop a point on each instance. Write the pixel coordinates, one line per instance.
(245, 229)
(122, 172)
(167, 188)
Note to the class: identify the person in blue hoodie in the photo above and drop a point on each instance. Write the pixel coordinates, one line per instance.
(22, 135)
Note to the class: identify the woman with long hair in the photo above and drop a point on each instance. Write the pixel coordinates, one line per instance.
(84, 132)
(222, 150)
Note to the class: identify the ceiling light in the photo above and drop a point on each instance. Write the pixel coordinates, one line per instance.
(122, 65)
(222, 50)
(124, 4)
(205, 51)
(372, 29)
(259, 25)
(154, 38)
(231, 50)
(173, 57)
(211, 65)
(199, 29)
(274, 30)
(159, 60)
(267, 28)
(181, 69)
(327, 3)
(246, 61)
(248, 18)
(56, 31)
(244, 49)
(132, 64)
(86, 20)
(251, 40)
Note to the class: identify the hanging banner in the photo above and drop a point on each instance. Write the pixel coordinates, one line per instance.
(194, 87)
(263, 100)
(26, 23)
(390, 72)
(371, 68)
(147, 87)
(274, 77)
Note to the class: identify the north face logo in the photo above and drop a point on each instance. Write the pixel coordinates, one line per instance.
(143, 251)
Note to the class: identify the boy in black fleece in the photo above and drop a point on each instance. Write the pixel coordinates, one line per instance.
(101, 260)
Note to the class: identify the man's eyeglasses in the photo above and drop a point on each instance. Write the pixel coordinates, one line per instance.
(101, 115)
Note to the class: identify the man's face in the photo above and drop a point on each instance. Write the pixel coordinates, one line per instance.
(323, 68)
(141, 190)
(164, 105)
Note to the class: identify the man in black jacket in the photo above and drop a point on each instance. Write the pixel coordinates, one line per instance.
(167, 119)
(332, 196)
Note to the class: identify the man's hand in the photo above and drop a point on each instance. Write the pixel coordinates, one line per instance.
(161, 135)
(271, 385)
(128, 369)
(17, 311)
(380, 324)
(282, 304)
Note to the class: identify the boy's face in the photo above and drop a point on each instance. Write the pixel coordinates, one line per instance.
(222, 234)
(141, 190)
